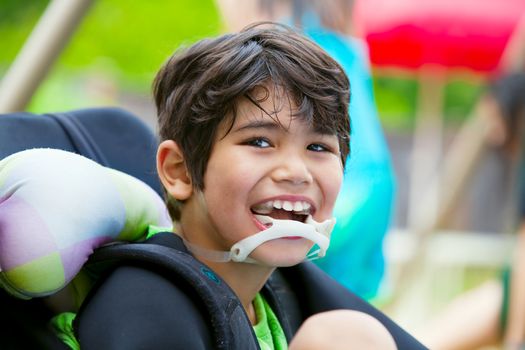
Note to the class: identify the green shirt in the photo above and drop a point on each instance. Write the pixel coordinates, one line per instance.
(63, 327)
(268, 329)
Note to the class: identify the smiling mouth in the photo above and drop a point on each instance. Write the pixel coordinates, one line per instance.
(284, 210)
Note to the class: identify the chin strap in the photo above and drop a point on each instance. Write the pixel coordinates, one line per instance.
(317, 232)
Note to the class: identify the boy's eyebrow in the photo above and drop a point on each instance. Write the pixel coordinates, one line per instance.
(270, 124)
(258, 124)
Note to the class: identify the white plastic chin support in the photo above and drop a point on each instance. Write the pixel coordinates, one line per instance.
(317, 232)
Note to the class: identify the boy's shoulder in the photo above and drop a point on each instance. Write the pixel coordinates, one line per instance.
(135, 305)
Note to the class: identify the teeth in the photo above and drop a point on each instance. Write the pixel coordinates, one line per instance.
(297, 207)
(263, 208)
(288, 206)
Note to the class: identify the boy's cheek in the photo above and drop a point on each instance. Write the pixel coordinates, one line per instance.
(327, 211)
(338, 184)
(334, 193)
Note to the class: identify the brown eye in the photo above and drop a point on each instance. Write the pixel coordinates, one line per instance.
(317, 147)
(259, 142)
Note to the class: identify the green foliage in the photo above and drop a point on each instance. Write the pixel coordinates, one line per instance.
(135, 37)
(395, 98)
(16, 21)
(460, 97)
(119, 42)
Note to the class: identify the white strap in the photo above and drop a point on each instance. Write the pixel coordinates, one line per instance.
(318, 233)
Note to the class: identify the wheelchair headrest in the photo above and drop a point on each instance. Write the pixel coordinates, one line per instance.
(110, 136)
(56, 207)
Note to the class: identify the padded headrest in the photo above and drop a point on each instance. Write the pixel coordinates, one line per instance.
(110, 136)
(56, 207)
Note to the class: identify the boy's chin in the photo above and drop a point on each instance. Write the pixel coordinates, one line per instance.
(282, 252)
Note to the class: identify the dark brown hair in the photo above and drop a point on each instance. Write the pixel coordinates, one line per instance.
(199, 87)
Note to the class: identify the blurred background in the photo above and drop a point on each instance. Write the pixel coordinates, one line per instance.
(119, 45)
(114, 53)
(431, 61)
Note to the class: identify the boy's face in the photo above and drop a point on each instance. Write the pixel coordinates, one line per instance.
(260, 165)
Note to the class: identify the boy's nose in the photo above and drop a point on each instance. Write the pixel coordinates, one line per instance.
(292, 169)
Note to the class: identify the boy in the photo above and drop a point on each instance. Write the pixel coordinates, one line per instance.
(366, 199)
(255, 133)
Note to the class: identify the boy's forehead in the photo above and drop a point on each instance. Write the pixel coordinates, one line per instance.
(270, 105)
(285, 117)
(272, 110)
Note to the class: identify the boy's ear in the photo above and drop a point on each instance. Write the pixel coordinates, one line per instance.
(172, 170)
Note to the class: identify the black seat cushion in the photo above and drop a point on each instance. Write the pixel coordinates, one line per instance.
(110, 136)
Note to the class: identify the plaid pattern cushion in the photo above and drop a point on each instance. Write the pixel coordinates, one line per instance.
(56, 207)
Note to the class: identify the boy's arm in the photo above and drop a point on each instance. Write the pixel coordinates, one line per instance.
(317, 292)
(139, 309)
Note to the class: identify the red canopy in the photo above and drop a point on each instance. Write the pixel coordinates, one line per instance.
(452, 33)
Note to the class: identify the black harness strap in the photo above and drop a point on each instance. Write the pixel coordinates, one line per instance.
(229, 321)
